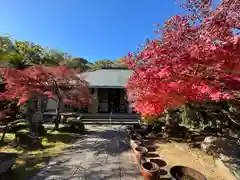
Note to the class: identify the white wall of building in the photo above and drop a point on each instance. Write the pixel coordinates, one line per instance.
(51, 105)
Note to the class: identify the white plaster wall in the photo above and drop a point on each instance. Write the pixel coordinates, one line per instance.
(93, 107)
(51, 105)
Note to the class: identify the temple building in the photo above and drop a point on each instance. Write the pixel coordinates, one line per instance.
(108, 92)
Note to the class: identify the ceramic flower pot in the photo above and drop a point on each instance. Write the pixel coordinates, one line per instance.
(139, 153)
(134, 142)
(150, 171)
(182, 172)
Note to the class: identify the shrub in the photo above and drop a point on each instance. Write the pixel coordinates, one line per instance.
(200, 115)
(75, 125)
(17, 127)
(177, 132)
(23, 139)
(158, 125)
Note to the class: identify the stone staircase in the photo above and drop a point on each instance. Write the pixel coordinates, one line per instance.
(100, 118)
(114, 119)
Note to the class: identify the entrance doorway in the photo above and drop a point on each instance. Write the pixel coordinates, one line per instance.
(114, 100)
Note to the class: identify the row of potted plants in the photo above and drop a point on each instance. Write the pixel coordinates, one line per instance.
(150, 170)
(143, 147)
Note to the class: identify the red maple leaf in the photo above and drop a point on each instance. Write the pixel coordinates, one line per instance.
(197, 58)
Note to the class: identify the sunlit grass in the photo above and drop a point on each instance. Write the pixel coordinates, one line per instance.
(29, 162)
(6, 148)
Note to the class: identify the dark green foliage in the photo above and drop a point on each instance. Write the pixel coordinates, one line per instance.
(79, 64)
(10, 108)
(158, 126)
(17, 127)
(173, 116)
(209, 131)
(211, 114)
(208, 118)
(10, 111)
(24, 140)
(99, 64)
(22, 54)
(177, 132)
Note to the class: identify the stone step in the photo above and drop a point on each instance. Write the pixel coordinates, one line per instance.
(108, 116)
(107, 120)
(113, 123)
(95, 116)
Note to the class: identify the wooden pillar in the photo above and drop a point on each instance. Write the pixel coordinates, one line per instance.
(93, 107)
(129, 107)
(96, 99)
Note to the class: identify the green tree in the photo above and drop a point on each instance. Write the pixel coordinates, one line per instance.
(54, 57)
(79, 64)
(19, 54)
(31, 53)
(103, 64)
(5, 45)
(121, 62)
(22, 54)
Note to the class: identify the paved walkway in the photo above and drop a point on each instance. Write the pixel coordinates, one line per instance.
(103, 154)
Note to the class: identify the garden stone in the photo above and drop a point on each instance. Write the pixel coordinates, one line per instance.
(226, 149)
(63, 119)
(221, 145)
(208, 143)
(14, 128)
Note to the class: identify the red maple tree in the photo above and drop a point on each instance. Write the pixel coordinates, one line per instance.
(58, 83)
(196, 58)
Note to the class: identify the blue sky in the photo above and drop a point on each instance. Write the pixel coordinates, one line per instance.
(92, 29)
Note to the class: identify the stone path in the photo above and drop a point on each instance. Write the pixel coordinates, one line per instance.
(103, 154)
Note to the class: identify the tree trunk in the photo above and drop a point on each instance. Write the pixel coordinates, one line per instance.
(58, 111)
(3, 135)
(4, 132)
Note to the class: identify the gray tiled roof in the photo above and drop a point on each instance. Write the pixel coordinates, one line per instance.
(116, 78)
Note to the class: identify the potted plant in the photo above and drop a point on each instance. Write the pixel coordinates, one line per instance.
(150, 171)
(143, 130)
(185, 173)
(129, 130)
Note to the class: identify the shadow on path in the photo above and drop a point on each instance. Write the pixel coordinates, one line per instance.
(110, 141)
(102, 154)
